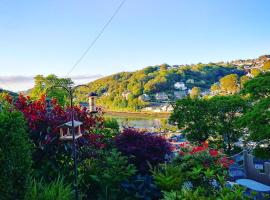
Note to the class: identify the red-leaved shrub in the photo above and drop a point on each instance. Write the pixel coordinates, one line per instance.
(143, 147)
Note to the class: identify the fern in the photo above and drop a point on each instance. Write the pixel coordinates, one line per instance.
(168, 177)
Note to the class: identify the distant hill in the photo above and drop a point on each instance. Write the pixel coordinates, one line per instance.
(154, 85)
(9, 92)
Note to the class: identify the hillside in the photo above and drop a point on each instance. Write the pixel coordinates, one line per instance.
(155, 86)
(9, 92)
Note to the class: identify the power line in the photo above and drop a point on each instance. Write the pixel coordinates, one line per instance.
(97, 37)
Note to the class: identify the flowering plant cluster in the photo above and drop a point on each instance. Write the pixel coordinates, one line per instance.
(143, 148)
(203, 166)
(214, 155)
(43, 123)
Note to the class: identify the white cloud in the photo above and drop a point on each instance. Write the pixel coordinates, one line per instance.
(21, 83)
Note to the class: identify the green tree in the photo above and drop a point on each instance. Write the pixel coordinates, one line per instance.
(229, 84)
(255, 72)
(266, 66)
(257, 117)
(257, 120)
(101, 178)
(15, 155)
(47, 85)
(258, 87)
(243, 80)
(215, 88)
(195, 93)
(226, 110)
(195, 116)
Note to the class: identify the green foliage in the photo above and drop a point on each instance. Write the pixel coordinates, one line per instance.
(266, 66)
(101, 178)
(184, 195)
(224, 193)
(195, 93)
(215, 88)
(257, 117)
(48, 85)
(7, 92)
(151, 80)
(215, 117)
(257, 120)
(255, 72)
(200, 169)
(112, 124)
(56, 190)
(15, 155)
(226, 111)
(243, 80)
(258, 87)
(195, 116)
(141, 187)
(229, 84)
(168, 177)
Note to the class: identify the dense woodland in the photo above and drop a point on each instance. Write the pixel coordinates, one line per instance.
(152, 80)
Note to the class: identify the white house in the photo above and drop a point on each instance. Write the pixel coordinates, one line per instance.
(180, 86)
(144, 97)
(161, 96)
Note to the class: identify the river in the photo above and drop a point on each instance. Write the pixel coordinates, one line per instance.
(148, 122)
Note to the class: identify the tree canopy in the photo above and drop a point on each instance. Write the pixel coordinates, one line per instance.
(152, 80)
(229, 84)
(257, 117)
(48, 84)
(194, 116)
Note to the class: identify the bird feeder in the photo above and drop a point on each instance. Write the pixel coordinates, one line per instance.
(66, 130)
(92, 102)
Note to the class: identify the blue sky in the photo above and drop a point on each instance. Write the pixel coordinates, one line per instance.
(44, 37)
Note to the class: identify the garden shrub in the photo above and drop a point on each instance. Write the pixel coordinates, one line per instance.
(101, 177)
(168, 177)
(203, 167)
(141, 187)
(50, 155)
(15, 155)
(56, 190)
(143, 148)
(112, 124)
(223, 193)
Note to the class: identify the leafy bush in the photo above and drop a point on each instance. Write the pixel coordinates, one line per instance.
(143, 148)
(142, 187)
(15, 155)
(225, 192)
(112, 124)
(101, 177)
(57, 190)
(50, 155)
(203, 167)
(168, 177)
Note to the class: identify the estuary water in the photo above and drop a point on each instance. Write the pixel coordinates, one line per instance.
(141, 122)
